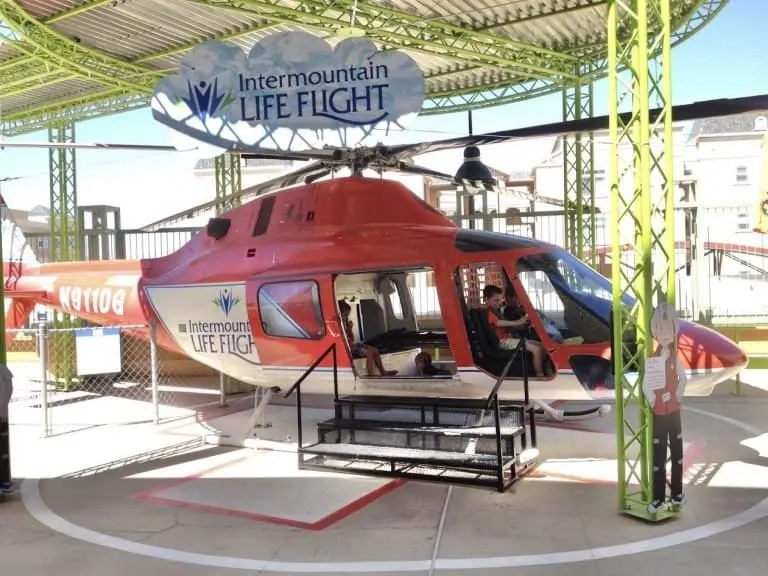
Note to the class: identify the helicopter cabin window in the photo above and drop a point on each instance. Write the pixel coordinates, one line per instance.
(291, 310)
(492, 346)
(395, 311)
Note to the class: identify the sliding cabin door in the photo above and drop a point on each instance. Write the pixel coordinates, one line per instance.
(295, 321)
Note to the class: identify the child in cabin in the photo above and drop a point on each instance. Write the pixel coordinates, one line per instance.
(494, 300)
(425, 368)
(665, 403)
(360, 349)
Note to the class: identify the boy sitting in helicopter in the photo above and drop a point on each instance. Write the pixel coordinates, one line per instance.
(360, 349)
(494, 300)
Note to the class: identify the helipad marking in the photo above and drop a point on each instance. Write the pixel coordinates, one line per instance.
(33, 500)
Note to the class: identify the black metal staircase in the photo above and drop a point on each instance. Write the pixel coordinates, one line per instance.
(481, 441)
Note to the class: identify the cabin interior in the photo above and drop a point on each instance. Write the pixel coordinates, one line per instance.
(397, 311)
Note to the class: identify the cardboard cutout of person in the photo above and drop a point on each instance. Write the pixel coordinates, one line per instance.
(664, 388)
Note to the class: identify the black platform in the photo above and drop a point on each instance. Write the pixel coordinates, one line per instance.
(463, 440)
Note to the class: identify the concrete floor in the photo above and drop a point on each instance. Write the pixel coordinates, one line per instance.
(214, 510)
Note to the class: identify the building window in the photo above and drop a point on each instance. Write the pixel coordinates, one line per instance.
(743, 223)
(291, 310)
(742, 176)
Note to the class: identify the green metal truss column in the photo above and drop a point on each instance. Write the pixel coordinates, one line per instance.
(228, 169)
(64, 242)
(641, 218)
(578, 173)
(63, 176)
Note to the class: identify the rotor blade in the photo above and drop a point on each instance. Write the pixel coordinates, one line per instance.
(93, 146)
(327, 154)
(422, 171)
(684, 112)
(316, 176)
(244, 196)
(286, 180)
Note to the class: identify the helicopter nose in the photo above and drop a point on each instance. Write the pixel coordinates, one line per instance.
(704, 349)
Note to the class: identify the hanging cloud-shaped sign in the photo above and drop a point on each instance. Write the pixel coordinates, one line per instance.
(293, 91)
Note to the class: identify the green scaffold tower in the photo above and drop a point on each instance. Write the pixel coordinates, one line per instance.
(642, 217)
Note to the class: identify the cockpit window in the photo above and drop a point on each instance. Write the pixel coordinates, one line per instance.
(568, 273)
(576, 298)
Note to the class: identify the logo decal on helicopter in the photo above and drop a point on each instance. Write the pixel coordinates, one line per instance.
(210, 324)
(292, 91)
(226, 301)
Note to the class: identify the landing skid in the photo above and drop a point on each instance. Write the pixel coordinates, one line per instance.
(550, 413)
(248, 436)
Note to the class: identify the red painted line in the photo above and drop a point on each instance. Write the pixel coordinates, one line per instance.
(152, 496)
(357, 505)
(150, 492)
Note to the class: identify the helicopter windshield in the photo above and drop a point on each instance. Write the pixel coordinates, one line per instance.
(558, 276)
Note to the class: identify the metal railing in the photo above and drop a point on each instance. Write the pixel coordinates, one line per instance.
(296, 387)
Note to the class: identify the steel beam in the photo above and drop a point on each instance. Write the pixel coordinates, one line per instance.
(50, 47)
(579, 172)
(641, 218)
(94, 105)
(685, 25)
(414, 32)
(504, 89)
(26, 67)
(52, 19)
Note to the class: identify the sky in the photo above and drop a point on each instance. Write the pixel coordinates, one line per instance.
(726, 59)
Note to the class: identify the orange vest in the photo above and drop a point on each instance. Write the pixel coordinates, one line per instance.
(666, 399)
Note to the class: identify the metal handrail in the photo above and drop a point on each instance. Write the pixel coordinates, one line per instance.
(521, 346)
(315, 364)
(297, 388)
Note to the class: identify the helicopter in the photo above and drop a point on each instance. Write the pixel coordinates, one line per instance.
(259, 294)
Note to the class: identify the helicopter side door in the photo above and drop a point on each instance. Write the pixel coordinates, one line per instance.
(294, 322)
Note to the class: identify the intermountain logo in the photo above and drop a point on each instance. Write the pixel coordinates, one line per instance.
(226, 301)
(204, 100)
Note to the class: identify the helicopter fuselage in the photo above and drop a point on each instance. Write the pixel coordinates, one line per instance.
(256, 295)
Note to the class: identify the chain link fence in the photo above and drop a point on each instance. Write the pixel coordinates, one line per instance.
(69, 379)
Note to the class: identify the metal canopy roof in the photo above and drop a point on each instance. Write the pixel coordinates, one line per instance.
(78, 59)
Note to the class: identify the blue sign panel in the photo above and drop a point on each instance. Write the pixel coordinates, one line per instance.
(292, 92)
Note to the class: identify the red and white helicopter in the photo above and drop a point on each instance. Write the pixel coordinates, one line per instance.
(256, 294)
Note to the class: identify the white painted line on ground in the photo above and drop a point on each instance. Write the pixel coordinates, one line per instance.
(728, 420)
(30, 492)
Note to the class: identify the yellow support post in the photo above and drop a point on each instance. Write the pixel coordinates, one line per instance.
(762, 193)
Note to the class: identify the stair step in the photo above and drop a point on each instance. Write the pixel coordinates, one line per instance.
(363, 451)
(425, 402)
(418, 428)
